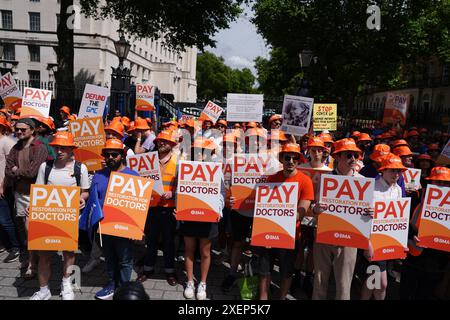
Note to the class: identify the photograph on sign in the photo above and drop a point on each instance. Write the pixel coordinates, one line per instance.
(126, 206)
(434, 227)
(89, 137)
(244, 107)
(274, 219)
(296, 114)
(199, 186)
(390, 224)
(53, 218)
(346, 222)
(10, 93)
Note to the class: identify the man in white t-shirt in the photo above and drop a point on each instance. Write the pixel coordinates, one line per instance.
(65, 171)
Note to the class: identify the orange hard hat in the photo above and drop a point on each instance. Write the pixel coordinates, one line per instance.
(48, 122)
(125, 121)
(5, 123)
(326, 137)
(15, 117)
(166, 135)
(391, 161)
(425, 156)
(222, 122)
(65, 109)
(346, 144)
(433, 146)
(355, 134)
(204, 143)
(229, 137)
(400, 143)
(256, 132)
(278, 135)
(236, 126)
(380, 151)
(364, 137)
(115, 119)
(63, 139)
(131, 127)
(189, 123)
(402, 151)
(291, 148)
(113, 144)
(440, 174)
(275, 117)
(141, 124)
(412, 133)
(149, 121)
(117, 127)
(251, 125)
(315, 142)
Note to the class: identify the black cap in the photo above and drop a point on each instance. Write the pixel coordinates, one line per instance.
(28, 121)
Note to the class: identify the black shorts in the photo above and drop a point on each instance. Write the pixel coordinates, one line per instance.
(307, 236)
(225, 222)
(240, 226)
(286, 258)
(209, 230)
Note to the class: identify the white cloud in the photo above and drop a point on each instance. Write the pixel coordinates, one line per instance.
(239, 62)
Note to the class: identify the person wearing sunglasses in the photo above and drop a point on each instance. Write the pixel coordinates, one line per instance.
(275, 121)
(328, 257)
(289, 157)
(22, 166)
(118, 251)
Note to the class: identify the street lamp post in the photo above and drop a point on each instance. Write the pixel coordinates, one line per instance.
(120, 79)
(305, 86)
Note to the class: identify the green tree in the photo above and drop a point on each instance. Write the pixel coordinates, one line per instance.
(215, 79)
(349, 54)
(179, 23)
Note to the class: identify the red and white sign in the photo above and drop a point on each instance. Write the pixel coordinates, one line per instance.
(346, 221)
(390, 229)
(93, 102)
(36, 102)
(434, 228)
(145, 97)
(412, 178)
(199, 187)
(211, 112)
(275, 215)
(147, 165)
(10, 93)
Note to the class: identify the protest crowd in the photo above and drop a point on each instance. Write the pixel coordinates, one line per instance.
(350, 203)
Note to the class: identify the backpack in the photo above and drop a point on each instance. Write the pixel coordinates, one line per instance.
(77, 171)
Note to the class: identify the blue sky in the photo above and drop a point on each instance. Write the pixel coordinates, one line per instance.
(240, 44)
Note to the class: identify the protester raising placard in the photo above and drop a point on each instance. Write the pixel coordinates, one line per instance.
(10, 93)
(199, 187)
(275, 215)
(244, 107)
(346, 222)
(126, 206)
(53, 219)
(36, 102)
(412, 178)
(395, 109)
(89, 137)
(211, 112)
(434, 228)
(325, 116)
(93, 102)
(145, 97)
(390, 224)
(297, 115)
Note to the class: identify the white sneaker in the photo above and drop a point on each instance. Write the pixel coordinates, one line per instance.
(91, 265)
(189, 291)
(67, 291)
(201, 291)
(41, 296)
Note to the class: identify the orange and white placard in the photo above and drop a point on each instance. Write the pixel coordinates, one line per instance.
(211, 112)
(434, 228)
(198, 191)
(346, 222)
(412, 178)
(10, 92)
(147, 165)
(248, 170)
(94, 101)
(274, 220)
(390, 225)
(126, 206)
(53, 219)
(145, 97)
(89, 136)
(396, 108)
(36, 102)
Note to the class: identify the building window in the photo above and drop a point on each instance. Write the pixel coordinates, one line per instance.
(146, 54)
(151, 57)
(35, 21)
(140, 51)
(35, 0)
(9, 52)
(7, 19)
(34, 78)
(35, 53)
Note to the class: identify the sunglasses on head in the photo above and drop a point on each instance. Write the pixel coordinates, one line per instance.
(111, 154)
(288, 158)
(352, 155)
